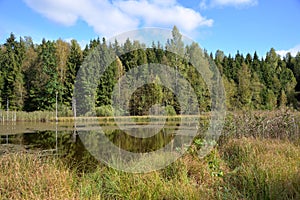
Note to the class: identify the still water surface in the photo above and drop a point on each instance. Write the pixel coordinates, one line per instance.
(65, 140)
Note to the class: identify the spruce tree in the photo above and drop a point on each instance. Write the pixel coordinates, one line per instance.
(73, 64)
(45, 83)
(13, 83)
(244, 86)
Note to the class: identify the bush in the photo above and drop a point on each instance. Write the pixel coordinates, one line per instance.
(65, 111)
(104, 111)
(170, 111)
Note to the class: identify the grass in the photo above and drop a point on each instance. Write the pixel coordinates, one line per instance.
(49, 116)
(27, 176)
(258, 157)
(244, 168)
(262, 169)
(36, 116)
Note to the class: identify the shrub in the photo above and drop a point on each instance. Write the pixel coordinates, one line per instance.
(104, 111)
(170, 111)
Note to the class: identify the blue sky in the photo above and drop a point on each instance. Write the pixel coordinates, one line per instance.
(229, 25)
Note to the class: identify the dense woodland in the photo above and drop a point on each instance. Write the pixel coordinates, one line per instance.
(31, 75)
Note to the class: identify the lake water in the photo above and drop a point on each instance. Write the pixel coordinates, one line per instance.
(82, 141)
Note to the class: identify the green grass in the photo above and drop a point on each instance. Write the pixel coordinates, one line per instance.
(67, 116)
(258, 157)
(244, 168)
(27, 176)
(36, 116)
(262, 169)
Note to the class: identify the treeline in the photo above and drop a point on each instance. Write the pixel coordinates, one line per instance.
(32, 75)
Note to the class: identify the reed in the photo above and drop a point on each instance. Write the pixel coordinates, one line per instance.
(257, 157)
(262, 169)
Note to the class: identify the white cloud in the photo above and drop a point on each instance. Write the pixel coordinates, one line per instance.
(221, 3)
(293, 51)
(99, 14)
(163, 14)
(82, 43)
(113, 17)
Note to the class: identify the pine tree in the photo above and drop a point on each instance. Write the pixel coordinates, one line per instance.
(117, 48)
(30, 75)
(270, 68)
(13, 87)
(95, 69)
(175, 53)
(282, 99)
(73, 64)
(270, 99)
(1, 77)
(151, 53)
(62, 54)
(30, 70)
(244, 86)
(219, 57)
(231, 93)
(296, 69)
(256, 90)
(176, 44)
(119, 73)
(199, 75)
(108, 78)
(45, 83)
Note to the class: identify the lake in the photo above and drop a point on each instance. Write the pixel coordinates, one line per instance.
(91, 142)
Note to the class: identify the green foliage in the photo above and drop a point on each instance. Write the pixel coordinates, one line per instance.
(31, 74)
(244, 89)
(12, 57)
(144, 98)
(44, 82)
(104, 111)
(74, 62)
(170, 111)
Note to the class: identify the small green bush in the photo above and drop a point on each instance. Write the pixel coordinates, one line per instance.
(170, 111)
(104, 111)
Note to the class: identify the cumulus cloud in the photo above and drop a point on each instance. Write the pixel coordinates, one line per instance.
(293, 51)
(116, 16)
(164, 14)
(82, 43)
(221, 3)
(105, 18)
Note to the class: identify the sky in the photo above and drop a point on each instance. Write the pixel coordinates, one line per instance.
(229, 25)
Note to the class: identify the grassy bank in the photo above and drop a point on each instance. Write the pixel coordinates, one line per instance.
(49, 116)
(244, 168)
(36, 116)
(257, 157)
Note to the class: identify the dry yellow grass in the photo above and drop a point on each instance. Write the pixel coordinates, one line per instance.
(27, 176)
(263, 168)
(257, 158)
(244, 168)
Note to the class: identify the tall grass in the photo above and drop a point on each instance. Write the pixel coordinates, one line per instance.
(258, 157)
(36, 116)
(67, 116)
(243, 168)
(27, 176)
(262, 169)
(280, 124)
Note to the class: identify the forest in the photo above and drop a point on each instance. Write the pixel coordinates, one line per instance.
(31, 75)
(254, 156)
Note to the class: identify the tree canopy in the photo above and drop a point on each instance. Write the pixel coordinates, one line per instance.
(32, 74)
